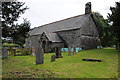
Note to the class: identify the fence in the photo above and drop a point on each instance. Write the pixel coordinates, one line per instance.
(15, 52)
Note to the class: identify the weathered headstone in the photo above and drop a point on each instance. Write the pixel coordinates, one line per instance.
(69, 51)
(4, 53)
(52, 58)
(74, 50)
(39, 55)
(58, 53)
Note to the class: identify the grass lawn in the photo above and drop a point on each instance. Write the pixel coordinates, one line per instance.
(66, 67)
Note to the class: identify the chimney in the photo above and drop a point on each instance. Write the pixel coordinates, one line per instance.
(88, 8)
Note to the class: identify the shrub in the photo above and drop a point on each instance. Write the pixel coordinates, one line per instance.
(26, 51)
(10, 45)
(23, 51)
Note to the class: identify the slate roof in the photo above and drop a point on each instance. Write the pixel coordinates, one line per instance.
(66, 24)
(53, 37)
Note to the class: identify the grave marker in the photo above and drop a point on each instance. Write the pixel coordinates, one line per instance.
(39, 55)
(4, 53)
(52, 58)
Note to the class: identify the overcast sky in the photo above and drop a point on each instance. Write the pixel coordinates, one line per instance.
(41, 12)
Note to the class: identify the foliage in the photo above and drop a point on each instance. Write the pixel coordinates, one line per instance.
(11, 11)
(104, 29)
(21, 32)
(52, 50)
(10, 45)
(23, 51)
(66, 67)
(114, 18)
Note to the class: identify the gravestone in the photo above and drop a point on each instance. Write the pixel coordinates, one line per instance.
(58, 53)
(52, 58)
(4, 53)
(69, 51)
(74, 50)
(89, 59)
(39, 55)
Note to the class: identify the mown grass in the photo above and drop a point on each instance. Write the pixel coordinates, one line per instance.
(66, 67)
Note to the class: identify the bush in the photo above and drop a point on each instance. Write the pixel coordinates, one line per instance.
(26, 52)
(10, 45)
(52, 50)
(11, 52)
(23, 51)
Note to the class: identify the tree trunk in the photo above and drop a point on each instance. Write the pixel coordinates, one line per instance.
(117, 46)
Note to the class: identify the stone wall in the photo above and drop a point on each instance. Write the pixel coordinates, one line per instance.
(57, 44)
(89, 34)
(89, 42)
(89, 28)
(28, 42)
(83, 37)
(32, 42)
(86, 37)
(48, 45)
(71, 37)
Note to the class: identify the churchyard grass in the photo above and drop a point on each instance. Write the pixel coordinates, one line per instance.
(66, 67)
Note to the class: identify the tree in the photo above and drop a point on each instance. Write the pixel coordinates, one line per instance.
(20, 32)
(104, 29)
(11, 11)
(114, 19)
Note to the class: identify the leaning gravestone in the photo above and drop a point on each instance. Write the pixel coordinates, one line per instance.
(4, 53)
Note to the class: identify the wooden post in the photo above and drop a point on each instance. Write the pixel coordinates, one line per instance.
(69, 51)
(39, 54)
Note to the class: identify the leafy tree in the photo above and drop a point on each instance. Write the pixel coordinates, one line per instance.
(20, 32)
(114, 19)
(11, 11)
(104, 29)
